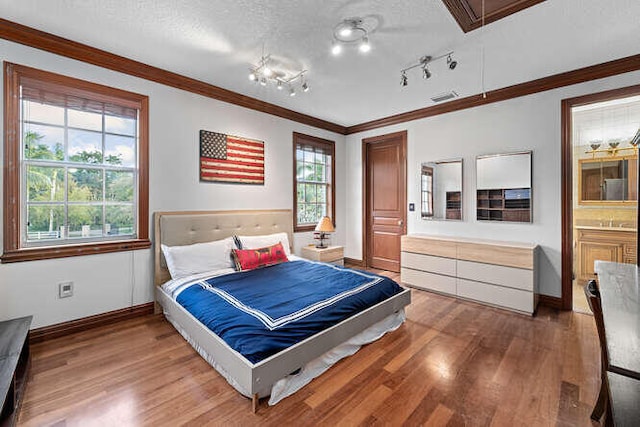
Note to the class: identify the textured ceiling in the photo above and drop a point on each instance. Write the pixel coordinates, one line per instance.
(216, 41)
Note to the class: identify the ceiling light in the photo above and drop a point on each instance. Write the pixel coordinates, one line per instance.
(336, 48)
(350, 31)
(364, 45)
(271, 71)
(346, 31)
(423, 62)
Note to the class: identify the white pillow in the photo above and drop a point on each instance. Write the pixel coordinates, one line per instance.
(186, 260)
(254, 242)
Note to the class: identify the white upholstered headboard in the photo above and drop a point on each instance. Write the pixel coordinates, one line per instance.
(186, 228)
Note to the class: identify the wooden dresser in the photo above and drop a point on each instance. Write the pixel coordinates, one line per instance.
(502, 274)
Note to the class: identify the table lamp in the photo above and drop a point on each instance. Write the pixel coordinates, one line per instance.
(325, 226)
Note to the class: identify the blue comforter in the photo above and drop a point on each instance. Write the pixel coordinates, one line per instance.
(260, 312)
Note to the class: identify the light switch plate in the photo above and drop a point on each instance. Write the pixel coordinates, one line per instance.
(65, 289)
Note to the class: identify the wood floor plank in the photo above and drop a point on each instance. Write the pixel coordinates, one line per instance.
(453, 363)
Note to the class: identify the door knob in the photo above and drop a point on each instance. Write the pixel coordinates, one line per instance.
(400, 222)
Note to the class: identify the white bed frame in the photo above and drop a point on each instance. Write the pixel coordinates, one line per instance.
(254, 380)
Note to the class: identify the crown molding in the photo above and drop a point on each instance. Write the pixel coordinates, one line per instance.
(32, 37)
(581, 75)
(469, 19)
(21, 34)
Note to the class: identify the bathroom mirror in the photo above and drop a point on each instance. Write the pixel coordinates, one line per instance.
(441, 190)
(608, 181)
(503, 187)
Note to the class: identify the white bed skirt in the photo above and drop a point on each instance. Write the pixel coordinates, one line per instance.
(294, 382)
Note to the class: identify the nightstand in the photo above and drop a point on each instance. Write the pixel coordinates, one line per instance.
(331, 254)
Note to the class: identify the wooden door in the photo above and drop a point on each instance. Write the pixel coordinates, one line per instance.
(385, 192)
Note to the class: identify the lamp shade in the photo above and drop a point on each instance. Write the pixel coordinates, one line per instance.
(325, 225)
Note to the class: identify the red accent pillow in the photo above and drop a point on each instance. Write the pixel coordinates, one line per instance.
(248, 259)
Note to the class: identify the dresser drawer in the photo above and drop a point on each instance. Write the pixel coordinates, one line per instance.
(514, 299)
(428, 281)
(511, 277)
(429, 263)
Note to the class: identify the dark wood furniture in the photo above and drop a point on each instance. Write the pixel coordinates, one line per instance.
(14, 366)
(602, 403)
(620, 299)
(625, 397)
(504, 204)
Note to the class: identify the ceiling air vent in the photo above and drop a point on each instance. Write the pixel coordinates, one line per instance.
(444, 96)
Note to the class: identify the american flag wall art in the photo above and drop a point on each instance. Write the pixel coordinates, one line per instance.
(226, 158)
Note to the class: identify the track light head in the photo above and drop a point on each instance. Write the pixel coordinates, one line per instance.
(364, 45)
(451, 63)
(346, 31)
(425, 72)
(305, 87)
(279, 85)
(403, 79)
(292, 92)
(336, 48)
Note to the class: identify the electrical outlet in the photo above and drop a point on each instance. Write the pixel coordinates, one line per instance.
(65, 289)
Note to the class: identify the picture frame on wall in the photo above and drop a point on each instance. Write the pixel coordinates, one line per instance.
(231, 159)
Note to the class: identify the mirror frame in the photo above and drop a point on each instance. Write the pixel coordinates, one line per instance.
(581, 202)
(515, 213)
(432, 217)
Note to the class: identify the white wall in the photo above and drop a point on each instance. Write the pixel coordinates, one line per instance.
(526, 123)
(112, 281)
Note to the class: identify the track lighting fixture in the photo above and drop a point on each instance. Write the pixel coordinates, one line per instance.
(451, 63)
(423, 62)
(336, 48)
(350, 31)
(269, 70)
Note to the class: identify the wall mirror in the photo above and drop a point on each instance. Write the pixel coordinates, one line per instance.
(608, 181)
(503, 187)
(441, 189)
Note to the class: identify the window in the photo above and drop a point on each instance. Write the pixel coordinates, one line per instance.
(427, 191)
(76, 167)
(313, 180)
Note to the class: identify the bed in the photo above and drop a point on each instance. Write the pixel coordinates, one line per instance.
(282, 369)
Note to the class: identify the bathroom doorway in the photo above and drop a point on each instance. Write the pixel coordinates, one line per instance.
(603, 132)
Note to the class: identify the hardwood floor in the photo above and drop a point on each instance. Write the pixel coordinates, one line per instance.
(453, 363)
